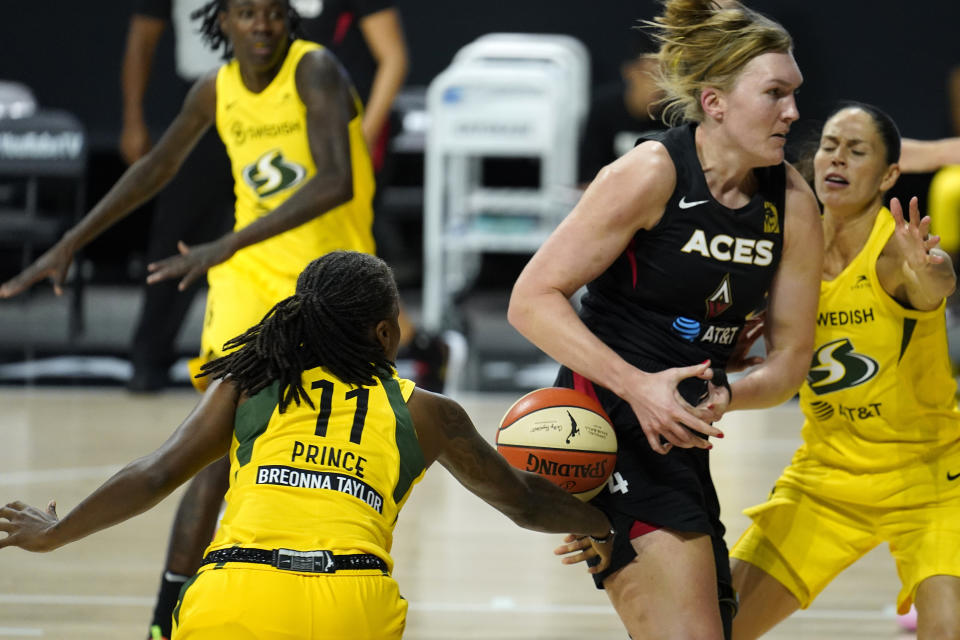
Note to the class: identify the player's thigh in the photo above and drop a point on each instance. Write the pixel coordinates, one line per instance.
(670, 589)
(938, 607)
(805, 540)
(925, 540)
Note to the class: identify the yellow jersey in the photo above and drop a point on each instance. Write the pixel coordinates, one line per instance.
(266, 138)
(334, 476)
(879, 394)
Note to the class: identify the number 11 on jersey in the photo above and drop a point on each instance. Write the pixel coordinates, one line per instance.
(362, 396)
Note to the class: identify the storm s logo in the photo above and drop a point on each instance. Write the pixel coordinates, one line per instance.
(837, 366)
(272, 173)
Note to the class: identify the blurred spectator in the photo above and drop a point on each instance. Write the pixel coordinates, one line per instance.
(944, 198)
(621, 111)
(196, 206)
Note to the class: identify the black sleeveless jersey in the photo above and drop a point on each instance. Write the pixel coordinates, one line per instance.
(680, 292)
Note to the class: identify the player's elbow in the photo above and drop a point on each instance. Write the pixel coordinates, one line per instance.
(335, 189)
(522, 307)
(526, 511)
(516, 313)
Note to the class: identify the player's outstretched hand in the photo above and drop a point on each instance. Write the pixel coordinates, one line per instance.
(664, 414)
(191, 264)
(53, 264)
(582, 549)
(28, 527)
(912, 237)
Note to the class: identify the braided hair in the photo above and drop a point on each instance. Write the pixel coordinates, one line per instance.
(209, 16)
(330, 321)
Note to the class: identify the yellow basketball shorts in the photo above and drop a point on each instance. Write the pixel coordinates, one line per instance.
(804, 535)
(253, 602)
(236, 301)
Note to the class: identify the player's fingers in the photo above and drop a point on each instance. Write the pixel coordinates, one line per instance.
(896, 211)
(653, 438)
(52, 508)
(189, 279)
(571, 546)
(701, 370)
(19, 283)
(166, 269)
(682, 437)
(583, 556)
(915, 209)
(687, 422)
(182, 247)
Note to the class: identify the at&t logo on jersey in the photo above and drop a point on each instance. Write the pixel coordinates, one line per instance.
(686, 328)
(837, 366)
(272, 173)
(726, 248)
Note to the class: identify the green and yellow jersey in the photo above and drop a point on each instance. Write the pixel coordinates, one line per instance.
(332, 476)
(879, 394)
(266, 138)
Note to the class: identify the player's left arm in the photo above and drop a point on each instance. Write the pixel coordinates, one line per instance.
(791, 313)
(327, 94)
(383, 33)
(926, 156)
(911, 267)
(202, 438)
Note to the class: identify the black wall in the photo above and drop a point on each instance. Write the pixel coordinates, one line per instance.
(888, 52)
(892, 53)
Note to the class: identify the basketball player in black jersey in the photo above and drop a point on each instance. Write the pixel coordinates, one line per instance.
(678, 242)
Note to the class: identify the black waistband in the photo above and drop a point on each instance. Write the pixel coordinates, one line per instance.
(320, 561)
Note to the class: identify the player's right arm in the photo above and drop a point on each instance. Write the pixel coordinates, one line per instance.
(628, 195)
(137, 185)
(448, 436)
(202, 438)
(791, 315)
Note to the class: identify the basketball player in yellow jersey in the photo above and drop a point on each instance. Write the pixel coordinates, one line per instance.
(325, 443)
(271, 158)
(881, 455)
(291, 122)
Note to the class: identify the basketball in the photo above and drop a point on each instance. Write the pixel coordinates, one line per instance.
(562, 435)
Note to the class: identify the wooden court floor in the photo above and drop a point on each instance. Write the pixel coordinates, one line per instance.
(467, 571)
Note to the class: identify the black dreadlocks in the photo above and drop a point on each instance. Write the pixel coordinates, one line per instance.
(209, 15)
(328, 322)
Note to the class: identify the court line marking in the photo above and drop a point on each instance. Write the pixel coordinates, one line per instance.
(498, 605)
(29, 632)
(63, 474)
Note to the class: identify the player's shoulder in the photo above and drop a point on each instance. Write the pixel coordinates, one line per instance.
(799, 195)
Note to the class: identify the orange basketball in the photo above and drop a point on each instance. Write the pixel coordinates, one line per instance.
(563, 435)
